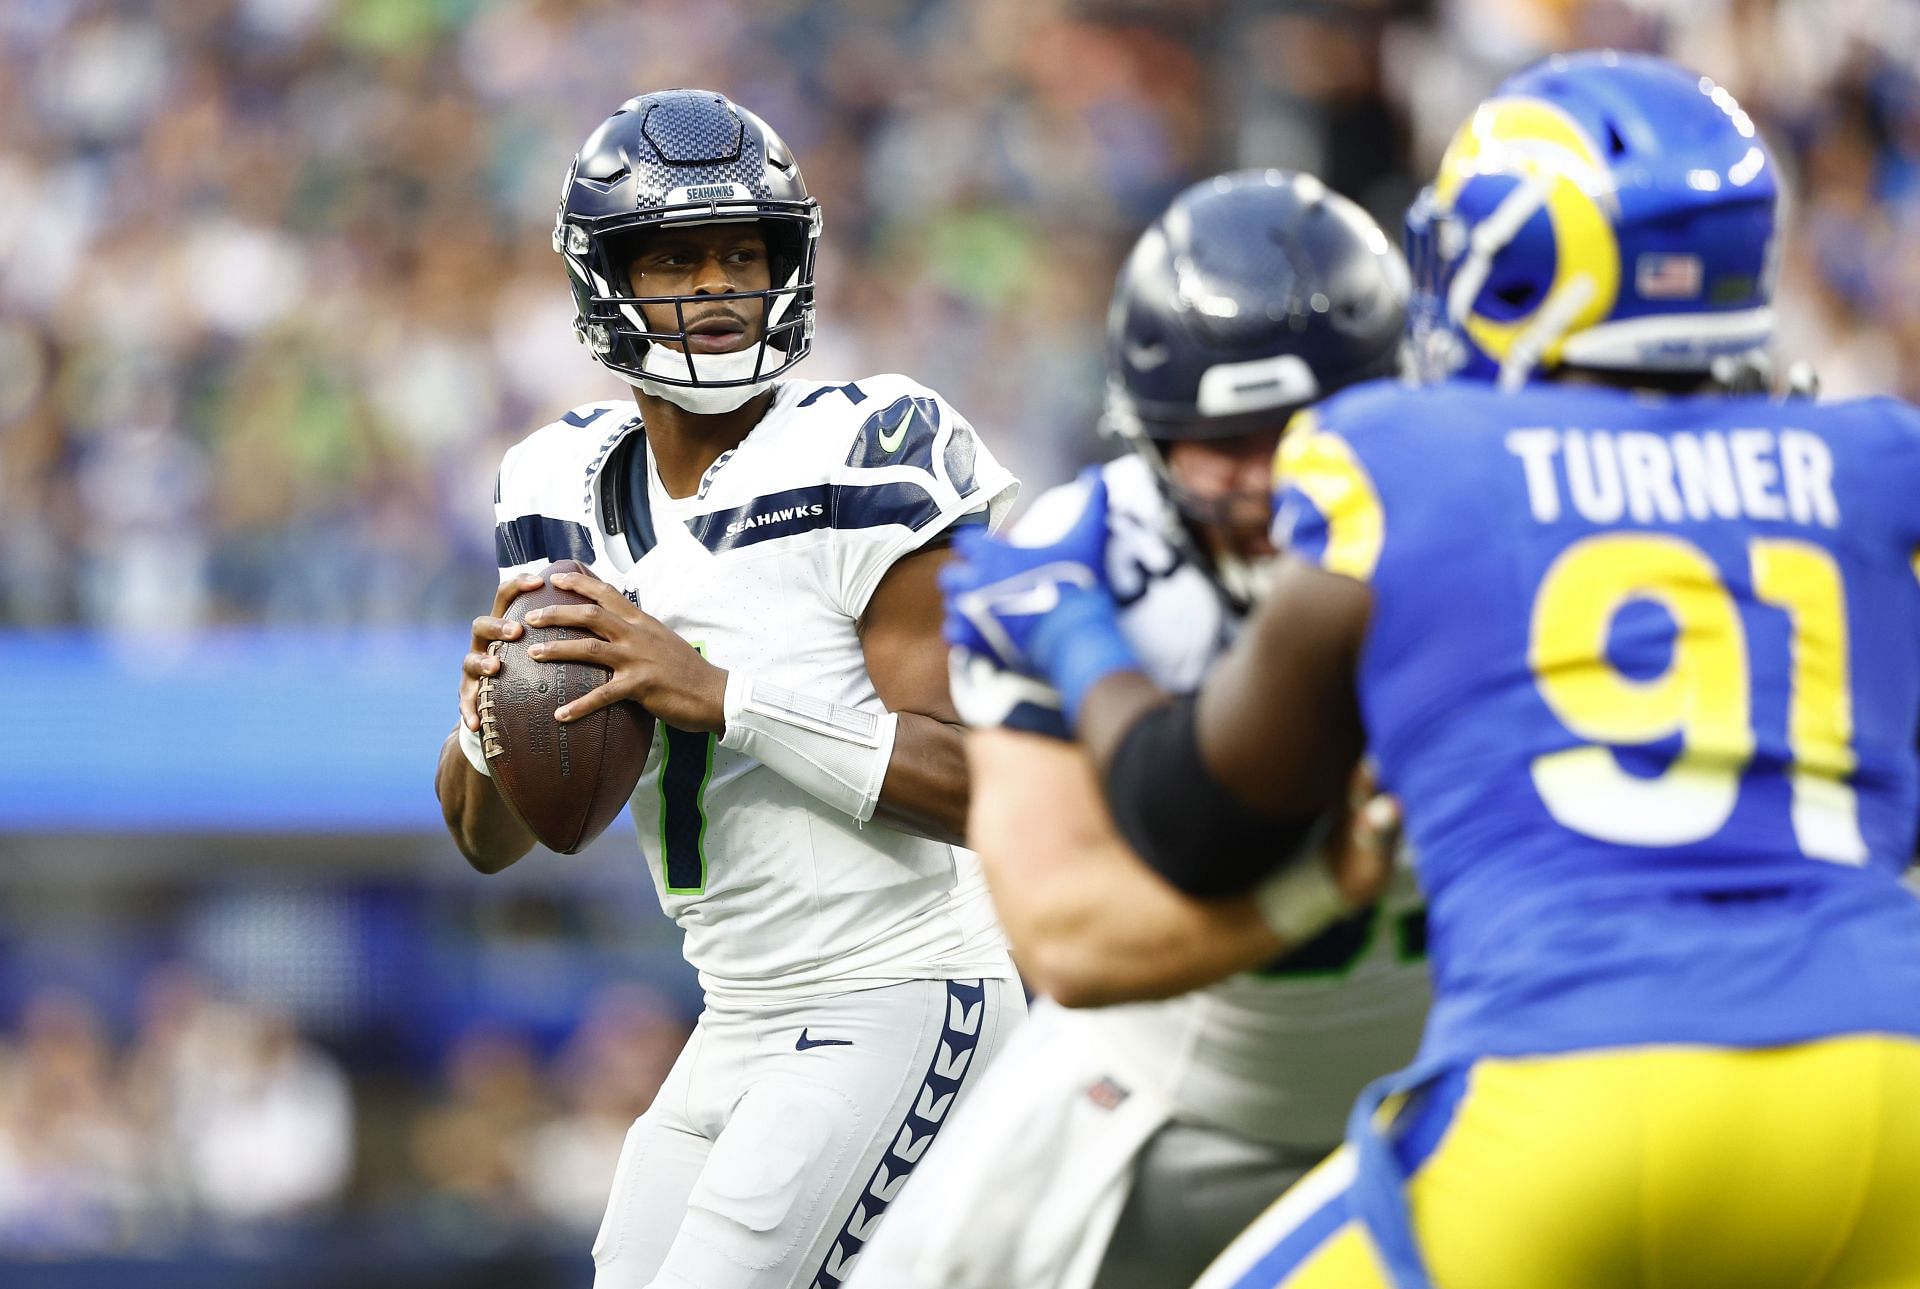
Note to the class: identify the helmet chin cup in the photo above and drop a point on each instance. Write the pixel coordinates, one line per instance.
(707, 384)
(720, 382)
(699, 400)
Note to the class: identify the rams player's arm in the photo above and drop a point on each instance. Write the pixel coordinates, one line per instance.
(925, 789)
(1216, 793)
(1090, 923)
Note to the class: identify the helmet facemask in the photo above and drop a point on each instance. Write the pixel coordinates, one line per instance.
(1190, 517)
(659, 361)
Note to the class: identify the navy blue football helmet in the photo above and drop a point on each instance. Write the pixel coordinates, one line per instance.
(685, 156)
(1254, 294)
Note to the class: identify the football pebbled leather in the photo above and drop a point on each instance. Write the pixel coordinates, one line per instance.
(566, 782)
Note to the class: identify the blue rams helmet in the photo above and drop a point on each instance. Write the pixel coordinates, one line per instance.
(1254, 294)
(686, 156)
(1601, 210)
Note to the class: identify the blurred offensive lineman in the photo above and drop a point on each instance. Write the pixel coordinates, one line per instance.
(807, 786)
(1638, 655)
(1124, 1147)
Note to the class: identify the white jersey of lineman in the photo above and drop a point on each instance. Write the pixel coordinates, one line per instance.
(768, 569)
(1276, 1056)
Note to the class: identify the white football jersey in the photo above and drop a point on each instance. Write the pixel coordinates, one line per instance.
(768, 569)
(1276, 1055)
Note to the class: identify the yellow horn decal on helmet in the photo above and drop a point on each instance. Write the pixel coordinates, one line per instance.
(1532, 140)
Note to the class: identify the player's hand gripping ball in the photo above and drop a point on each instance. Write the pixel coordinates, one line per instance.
(1042, 611)
(565, 781)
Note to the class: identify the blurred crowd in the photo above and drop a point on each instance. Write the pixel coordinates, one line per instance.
(276, 292)
(217, 1125)
(513, 1144)
(276, 289)
(1835, 88)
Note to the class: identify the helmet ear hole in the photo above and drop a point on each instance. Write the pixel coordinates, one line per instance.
(786, 249)
(1616, 142)
(621, 248)
(1510, 300)
(1516, 295)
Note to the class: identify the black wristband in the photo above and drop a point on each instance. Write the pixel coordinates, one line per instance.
(1187, 826)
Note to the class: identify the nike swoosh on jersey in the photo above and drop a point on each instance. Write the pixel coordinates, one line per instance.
(803, 1043)
(890, 442)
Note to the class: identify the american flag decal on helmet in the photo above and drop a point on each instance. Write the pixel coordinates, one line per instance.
(1664, 276)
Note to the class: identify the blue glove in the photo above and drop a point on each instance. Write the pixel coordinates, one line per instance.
(987, 695)
(1042, 611)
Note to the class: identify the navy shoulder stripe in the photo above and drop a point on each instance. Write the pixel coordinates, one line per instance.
(538, 537)
(879, 504)
(778, 514)
(901, 433)
(820, 505)
(853, 392)
(959, 459)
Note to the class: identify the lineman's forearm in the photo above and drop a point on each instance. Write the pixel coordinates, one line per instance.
(1090, 924)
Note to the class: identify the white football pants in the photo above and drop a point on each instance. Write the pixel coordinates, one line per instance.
(784, 1132)
(1059, 1176)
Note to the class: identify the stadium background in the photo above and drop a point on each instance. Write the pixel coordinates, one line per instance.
(275, 293)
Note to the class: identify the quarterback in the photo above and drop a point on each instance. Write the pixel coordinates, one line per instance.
(1123, 1147)
(1637, 654)
(764, 553)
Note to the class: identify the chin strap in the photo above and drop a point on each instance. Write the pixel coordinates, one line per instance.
(708, 398)
(702, 400)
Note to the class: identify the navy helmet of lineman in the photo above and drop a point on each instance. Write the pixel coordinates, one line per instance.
(675, 157)
(1254, 294)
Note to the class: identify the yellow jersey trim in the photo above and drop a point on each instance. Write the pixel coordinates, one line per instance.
(1322, 465)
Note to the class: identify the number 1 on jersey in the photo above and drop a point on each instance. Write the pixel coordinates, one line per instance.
(686, 763)
(1803, 580)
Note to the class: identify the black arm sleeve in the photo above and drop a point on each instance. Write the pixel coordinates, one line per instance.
(1184, 824)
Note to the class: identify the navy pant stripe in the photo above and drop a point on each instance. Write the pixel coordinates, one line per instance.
(952, 1058)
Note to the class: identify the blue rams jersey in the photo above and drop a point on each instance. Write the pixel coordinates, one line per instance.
(1646, 676)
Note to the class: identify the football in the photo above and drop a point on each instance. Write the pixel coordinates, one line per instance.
(566, 782)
